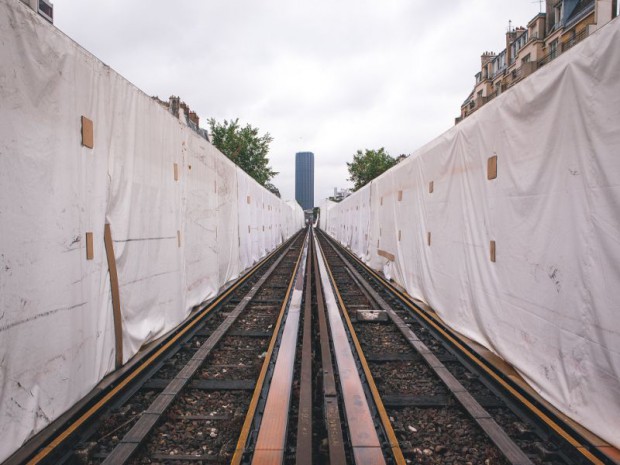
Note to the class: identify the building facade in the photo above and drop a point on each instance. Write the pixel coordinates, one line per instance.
(304, 179)
(340, 194)
(547, 35)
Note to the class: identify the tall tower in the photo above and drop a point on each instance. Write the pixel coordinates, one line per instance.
(304, 179)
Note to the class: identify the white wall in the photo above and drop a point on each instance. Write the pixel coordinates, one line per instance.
(56, 326)
(549, 304)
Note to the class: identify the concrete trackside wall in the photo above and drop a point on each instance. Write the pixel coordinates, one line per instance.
(184, 220)
(508, 225)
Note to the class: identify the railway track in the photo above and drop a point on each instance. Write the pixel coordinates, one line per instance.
(189, 395)
(446, 404)
(311, 358)
(343, 414)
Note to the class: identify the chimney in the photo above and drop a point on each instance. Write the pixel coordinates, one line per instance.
(511, 35)
(486, 57)
(194, 118)
(174, 105)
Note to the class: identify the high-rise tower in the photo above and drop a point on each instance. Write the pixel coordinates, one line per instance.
(304, 179)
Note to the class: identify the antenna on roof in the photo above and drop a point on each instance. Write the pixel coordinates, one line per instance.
(540, 2)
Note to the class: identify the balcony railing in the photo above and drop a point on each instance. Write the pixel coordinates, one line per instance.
(520, 73)
(563, 47)
(575, 40)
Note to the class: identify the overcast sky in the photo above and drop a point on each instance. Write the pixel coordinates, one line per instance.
(329, 77)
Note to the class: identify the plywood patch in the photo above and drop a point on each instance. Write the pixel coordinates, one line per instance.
(387, 255)
(90, 248)
(88, 133)
(492, 167)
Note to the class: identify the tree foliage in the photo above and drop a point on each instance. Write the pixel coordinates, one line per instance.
(367, 165)
(273, 189)
(245, 147)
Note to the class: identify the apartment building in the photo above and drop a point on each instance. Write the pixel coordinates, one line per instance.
(547, 35)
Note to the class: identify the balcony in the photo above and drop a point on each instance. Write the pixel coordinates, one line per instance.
(570, 43)
(563, 47)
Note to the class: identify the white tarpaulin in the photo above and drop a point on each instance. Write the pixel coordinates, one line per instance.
(549, 303)
(178, 212)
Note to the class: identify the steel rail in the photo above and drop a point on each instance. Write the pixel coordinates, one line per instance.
(498, 436)
(271, 442)
(383, 415)
(135, 437)
(247, 424)
(331, 410)
(57, 441)
(556, 424)
(363, 434)
(303, 449)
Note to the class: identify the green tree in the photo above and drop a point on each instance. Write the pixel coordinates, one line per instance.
(367, 165)
(245, 147)
(273, 189)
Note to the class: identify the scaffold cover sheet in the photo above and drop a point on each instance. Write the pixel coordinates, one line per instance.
(181, 222)
(548, 304)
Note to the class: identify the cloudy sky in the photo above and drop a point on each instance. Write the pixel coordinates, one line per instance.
(329, 77)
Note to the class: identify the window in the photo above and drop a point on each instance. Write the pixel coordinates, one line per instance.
(479, 94)
(553, 53)
(573, 35)
(46, 9)
(526, 59)
(502, 60)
